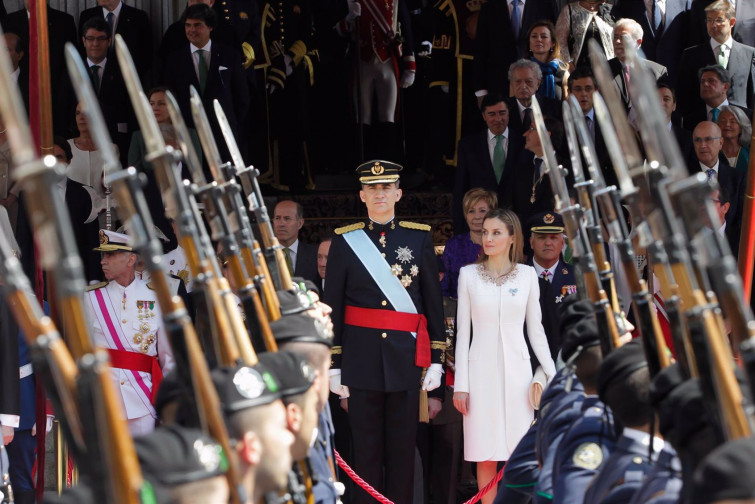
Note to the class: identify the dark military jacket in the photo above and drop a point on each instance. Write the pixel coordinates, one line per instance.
(376, 359)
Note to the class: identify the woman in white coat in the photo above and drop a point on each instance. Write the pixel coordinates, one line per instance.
(497, 296)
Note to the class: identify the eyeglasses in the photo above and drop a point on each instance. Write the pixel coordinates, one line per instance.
(699, 140)
(101, 38)
(717, 21)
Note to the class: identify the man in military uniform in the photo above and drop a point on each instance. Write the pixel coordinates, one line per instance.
(623, 384)
(388, 325)
(183, 466)
(124, 317)
(256, 419)
(547, 242)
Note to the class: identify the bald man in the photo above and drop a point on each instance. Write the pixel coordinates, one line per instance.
(707, 142)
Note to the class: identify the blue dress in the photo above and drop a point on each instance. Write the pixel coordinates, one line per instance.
(460, 250)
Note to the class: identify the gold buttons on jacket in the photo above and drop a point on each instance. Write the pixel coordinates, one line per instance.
(383, 302)
(384, 335)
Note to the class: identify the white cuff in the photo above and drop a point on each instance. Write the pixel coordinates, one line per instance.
(10, 420)
(480, 93)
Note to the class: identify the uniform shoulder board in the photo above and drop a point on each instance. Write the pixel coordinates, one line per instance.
(350, 227)
(414, 225)
(95, 286)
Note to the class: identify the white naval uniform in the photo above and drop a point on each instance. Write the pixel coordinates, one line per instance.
(132, 311)
(176, 264)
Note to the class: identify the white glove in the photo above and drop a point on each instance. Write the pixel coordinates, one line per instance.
(432, 377)
(407, 78)
(426, 48)
(341, 391)
(48, 424)
(355, 10)
(444, 88)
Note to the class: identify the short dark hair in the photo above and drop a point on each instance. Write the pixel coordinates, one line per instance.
(202, 12)
(723, 194)
(491, 99)
(664, 84)
(629, 399)
(98, 24)
(63, 144)
(580, 73)
(723, 74)
(299, 208)
(588, 365)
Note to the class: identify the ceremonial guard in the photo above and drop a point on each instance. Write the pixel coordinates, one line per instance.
(289, 65)
(386, 61)
(453, 104)
(125, 318)
(388, 326)
(547, 242)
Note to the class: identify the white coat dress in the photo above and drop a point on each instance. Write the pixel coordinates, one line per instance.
(495, 370)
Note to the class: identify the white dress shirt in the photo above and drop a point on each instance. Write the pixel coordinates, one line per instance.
(195, 56)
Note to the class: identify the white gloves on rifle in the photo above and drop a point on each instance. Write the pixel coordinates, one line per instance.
(432, 377)
(407, 78)
(355, 10)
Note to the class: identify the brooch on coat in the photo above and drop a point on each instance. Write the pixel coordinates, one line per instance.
(513, 291)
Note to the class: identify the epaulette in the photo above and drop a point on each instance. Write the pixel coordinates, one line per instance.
(336, 350)
(95, 286)
(414, 225)
(350, 227)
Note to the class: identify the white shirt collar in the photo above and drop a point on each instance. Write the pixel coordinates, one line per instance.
(704, 168)
(116, 11)
(205, 48)
(644, 439)
(491, 136)
(294, 247)
(591, 115)
(670, 124)
(101, 64)
(722, 104)
(539, 269)
(714, 45)
(722, 229)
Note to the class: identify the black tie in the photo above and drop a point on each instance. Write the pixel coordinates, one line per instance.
(527, 119)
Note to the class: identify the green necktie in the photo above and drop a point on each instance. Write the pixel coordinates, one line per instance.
(714, 114)
(499, 157)
(201, 69)
(723, 57)
(289, 263)
(95, 74)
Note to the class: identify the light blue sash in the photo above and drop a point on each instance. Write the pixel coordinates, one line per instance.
(379, 270)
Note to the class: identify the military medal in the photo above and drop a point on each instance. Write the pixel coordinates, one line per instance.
(404, 254)
(397, 269)
(406, 280)
(124, 300)
(139, 306)
(138, 338)
(414, 270)
(382, 239)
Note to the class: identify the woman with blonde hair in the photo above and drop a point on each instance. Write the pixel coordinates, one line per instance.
(497, 296)
(463, 249)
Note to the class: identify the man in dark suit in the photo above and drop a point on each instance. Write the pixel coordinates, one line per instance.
(582, 85)
(501, 39)
(61, 29)
(683, 137)
(711, 161)
(529, 191)
(665, 29)
(130, 23)
(525, 76)
(486, 158)
(214, 69)
(108, 84)
(288, 219)
(632, 29)
(722, 204)
(738, 59)
(715, 82)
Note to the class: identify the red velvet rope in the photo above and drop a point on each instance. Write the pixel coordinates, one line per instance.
(381, 498)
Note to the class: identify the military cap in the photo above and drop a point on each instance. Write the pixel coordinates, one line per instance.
(664, 383)
(174, 455)
(726, 473)
(378, 172)
(293, 301)
(582, 334)
(619, 364)
(110, 241)
(571, 311)
(245, 387)
(301, 328)
(546, 223)
(305, 285)
(683, 414)
(294, 373)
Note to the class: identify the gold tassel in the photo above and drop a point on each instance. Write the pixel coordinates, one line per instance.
(424, 414)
